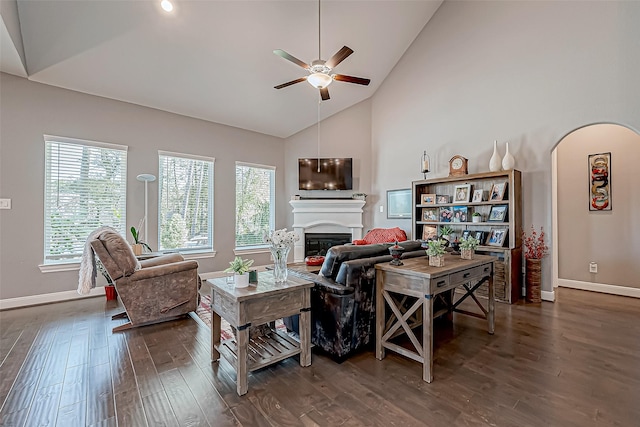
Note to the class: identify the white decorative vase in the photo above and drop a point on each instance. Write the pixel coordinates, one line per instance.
(509, 161)
(241, 280)
(476, 219)
(495, 162)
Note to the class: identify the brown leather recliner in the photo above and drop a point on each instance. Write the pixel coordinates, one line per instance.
(152, 291)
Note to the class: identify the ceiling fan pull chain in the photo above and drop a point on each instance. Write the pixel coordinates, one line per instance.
(319, 102)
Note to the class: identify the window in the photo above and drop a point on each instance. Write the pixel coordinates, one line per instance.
(255, 203)
(85, 188)
(185, 203)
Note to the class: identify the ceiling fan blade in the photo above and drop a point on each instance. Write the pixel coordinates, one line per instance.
(291, 58)
(340, 56)
(324, 93)
(351, 79)
(292, 82)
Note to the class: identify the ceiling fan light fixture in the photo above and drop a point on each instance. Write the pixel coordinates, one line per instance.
(319, 80)
(166, 5)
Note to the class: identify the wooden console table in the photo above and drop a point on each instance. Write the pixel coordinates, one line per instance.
(257, 305)
(426, 284)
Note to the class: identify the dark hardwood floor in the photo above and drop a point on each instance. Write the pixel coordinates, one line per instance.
(570, 363)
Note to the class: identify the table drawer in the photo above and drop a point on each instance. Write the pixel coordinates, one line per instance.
(439, 283)
(471, 274)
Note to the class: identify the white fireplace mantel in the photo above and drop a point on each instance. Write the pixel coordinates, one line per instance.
(325, 216)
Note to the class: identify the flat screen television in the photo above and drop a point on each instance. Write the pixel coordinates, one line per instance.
(333, 174)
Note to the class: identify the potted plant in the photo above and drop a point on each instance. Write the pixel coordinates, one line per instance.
(468, 246)
(359, 196)
(435, 250)
(138, 245)
(240, 269)
(535, 250)
(476, 217)
(446, 232)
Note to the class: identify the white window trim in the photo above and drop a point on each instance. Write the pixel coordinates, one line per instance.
(258, 249)
(187, 156)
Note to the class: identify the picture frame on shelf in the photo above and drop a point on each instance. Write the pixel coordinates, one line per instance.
(427, 199)
(479, 235)
(498, 213)
(462, 193)
(466, 234)
(446, 214)
(399, 203)
(478, 196)
(442, 199)
(460, 214)
(429, 232)
(497, 237)
(430, 215)
(498, 191)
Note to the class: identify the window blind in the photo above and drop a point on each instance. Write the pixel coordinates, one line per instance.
(185, 203)
(85, 188)
(255, 203)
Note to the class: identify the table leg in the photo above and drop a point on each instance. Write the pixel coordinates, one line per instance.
(242, 382)
(492, 306)
(305, 338)
(380, 318)
(427, 338)
(215, 336)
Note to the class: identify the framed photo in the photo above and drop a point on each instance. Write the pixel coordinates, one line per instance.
(460, 213)
(428, 199)
(399, 203)
(429, 232)
(478, 195)
(466, 233)
(442, 198)
(600, 182)
(446, 215)
(430, 215)
(497, 236)
(462, 193)
(497, 191)
(498, 213)
(479, 235)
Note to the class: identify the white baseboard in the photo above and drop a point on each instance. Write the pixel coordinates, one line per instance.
(548, 296)
(600, 287)
(47, 298)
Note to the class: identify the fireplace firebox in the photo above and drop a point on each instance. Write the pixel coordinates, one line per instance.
(319, 243)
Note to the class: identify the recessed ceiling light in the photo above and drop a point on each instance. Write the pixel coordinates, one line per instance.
(166, 5)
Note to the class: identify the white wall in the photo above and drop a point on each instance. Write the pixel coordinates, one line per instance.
(523, 72)
(609, 240)
(28, 110)
(347, 134)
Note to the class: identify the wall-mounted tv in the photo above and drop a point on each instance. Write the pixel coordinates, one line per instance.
(333, 174)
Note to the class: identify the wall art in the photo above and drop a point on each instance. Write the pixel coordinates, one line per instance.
(600, 182)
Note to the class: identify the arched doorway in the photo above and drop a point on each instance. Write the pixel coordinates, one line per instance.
(608, 237)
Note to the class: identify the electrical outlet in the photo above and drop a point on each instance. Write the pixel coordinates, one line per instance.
(5, 203)
(593, 267)
(381, 208)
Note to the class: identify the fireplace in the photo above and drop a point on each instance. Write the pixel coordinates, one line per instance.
(326, 217)
(319, 243)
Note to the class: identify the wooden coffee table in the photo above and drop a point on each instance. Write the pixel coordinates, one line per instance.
(257, 305)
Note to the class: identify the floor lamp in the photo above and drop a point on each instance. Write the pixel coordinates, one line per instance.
(146, 178)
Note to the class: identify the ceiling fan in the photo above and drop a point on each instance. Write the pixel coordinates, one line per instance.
(320, 71)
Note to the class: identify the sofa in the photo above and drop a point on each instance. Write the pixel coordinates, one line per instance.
(343, 298)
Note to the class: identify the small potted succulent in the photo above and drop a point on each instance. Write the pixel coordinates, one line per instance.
(468, 246)
(476, 217)
(436, 251)
(446, 232)
(240, 269)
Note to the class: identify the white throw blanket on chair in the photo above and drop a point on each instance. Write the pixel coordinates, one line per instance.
(87, 273)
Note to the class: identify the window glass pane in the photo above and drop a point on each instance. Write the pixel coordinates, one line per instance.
(186, 204)
(85, 188)
(255, 204)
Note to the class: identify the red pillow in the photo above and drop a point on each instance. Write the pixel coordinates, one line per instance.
(382, 235)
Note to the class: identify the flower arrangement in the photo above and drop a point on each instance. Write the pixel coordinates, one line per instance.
(535, 247)
(469, 242)
(435, 247)
(239, 265)
(281, 238)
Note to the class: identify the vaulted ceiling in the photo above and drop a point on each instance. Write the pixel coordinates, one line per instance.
(211, 60)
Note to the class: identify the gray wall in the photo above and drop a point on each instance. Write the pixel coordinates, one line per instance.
(523, 72)
(610, 238)
(28, 110)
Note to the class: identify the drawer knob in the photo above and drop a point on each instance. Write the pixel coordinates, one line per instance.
(466, 275)
(441, 283)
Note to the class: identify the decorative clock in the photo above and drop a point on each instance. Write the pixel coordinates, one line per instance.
(458, 166)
